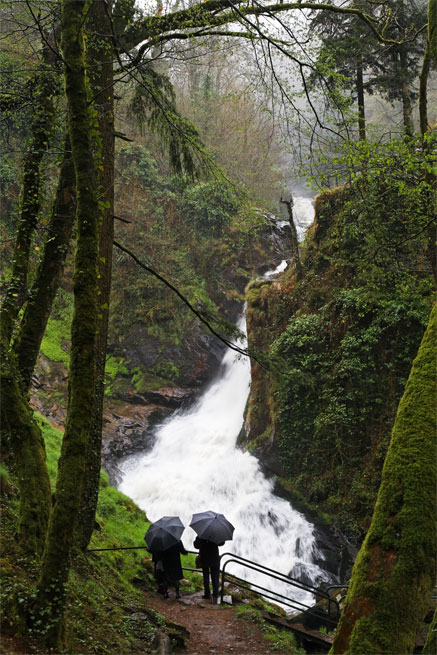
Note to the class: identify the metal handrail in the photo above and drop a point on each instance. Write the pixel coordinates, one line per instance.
(287, 578)
(277, 597)
(260, 568)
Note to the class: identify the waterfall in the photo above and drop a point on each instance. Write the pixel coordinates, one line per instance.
(303, 214)
(195, 466)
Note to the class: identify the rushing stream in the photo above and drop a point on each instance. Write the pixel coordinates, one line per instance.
(194, 466)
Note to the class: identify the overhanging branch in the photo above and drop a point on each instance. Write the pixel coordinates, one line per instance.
(220, 12)
(226, 342)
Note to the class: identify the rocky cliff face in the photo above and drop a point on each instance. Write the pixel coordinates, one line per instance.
(341, 335)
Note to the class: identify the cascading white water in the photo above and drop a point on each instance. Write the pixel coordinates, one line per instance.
(195, 466)
(303, 216)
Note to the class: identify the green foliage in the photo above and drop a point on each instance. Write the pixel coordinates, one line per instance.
(144, 381)
(166, 369)
(114, 367)
(356, 320)
(154, 104)
(56, 339)
(103, 590)
(279, 639)
(334, 383)
(209, 207)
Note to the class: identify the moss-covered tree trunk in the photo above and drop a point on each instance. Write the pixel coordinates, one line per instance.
(19, 430)
(46, 88)
(55, 567)
(22, 434)
(432, 28)
(43, 292)
(423, 95)
(395, 571)
(430, 647)
(429, 57)
(99, 57)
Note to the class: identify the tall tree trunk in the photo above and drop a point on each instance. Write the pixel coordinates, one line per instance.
(47, 87)
(407, 108)
(43, 292)
(360, 99)
(395, 571)
(423, 95)
(429, 57)
(432, 28)
(294, 240)
(100, 64)
(22, 434)
(55, 567)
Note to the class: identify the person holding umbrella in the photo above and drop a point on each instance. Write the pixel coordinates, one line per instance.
(163, 541)
(171, 560)
(212, 531)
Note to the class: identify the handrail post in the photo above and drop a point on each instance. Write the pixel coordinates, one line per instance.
(222, 591)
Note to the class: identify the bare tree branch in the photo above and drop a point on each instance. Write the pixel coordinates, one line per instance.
(246, 352)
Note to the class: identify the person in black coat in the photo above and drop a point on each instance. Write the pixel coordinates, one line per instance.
(159, 573)
(171, 560)
(209, 555)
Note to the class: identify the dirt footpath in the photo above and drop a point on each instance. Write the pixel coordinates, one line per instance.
(212, 628)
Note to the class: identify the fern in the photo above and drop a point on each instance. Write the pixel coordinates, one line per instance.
(153, 105)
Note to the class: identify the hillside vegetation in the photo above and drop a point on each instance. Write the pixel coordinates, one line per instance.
(105, 612)
(343, 335)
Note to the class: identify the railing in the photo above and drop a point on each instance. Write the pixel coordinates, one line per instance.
(259, 589)
(273, 595)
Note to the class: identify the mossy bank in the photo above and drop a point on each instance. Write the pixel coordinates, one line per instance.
(342, 335)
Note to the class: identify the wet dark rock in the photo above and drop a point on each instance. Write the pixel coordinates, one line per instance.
(268, 456)
(278, 232)
(195, 359)
(301, 573)
(127, 430)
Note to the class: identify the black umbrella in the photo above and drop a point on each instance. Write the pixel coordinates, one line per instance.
(164, 533)
(212, 526)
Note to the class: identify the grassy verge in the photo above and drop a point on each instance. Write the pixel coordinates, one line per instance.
(279, 639)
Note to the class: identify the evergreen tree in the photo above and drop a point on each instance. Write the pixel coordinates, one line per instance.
(366, 64)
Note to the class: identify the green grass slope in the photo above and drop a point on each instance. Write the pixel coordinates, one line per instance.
(105, 612)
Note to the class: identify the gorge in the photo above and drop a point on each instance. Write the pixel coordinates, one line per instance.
(194, 465)
(149, 150)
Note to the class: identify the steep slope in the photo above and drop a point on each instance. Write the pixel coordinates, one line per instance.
(342, 336)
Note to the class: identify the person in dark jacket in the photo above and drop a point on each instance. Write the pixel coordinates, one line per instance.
(171, 560)
(209, 555)
(159, 573)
